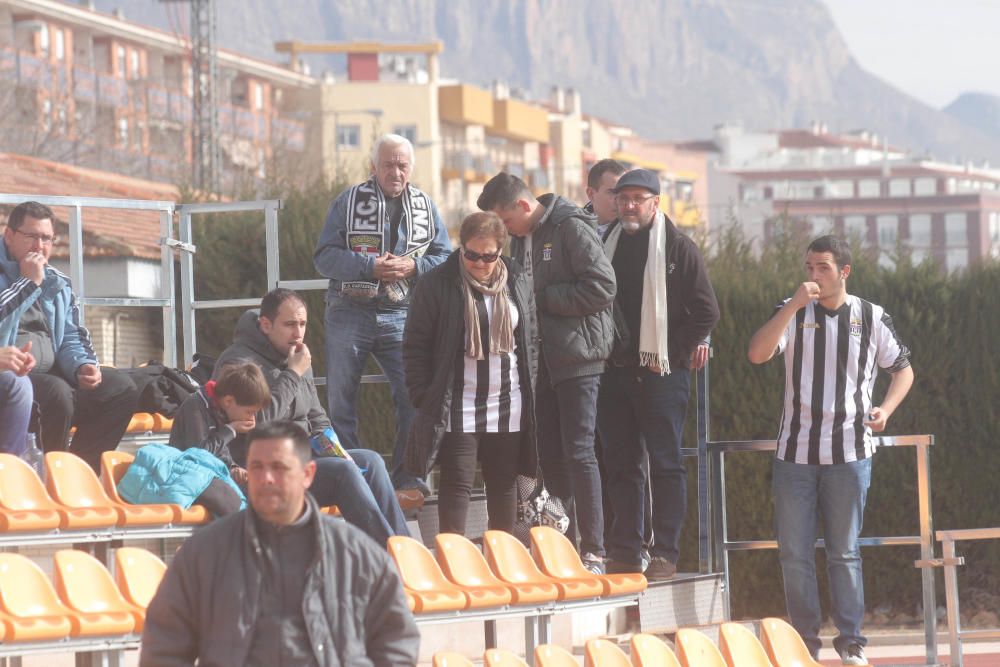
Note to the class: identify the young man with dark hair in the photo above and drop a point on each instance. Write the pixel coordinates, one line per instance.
(601, 182)
(834, 344)
(280, 583)
(40, 309)
(574, 287)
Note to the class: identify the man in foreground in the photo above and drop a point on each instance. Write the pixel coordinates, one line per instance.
(835, 342)
(280, 583)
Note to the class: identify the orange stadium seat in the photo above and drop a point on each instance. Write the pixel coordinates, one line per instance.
(498, 657)
(138, 574)
(695, 649)
(162, 424)
(31, 609)
(512, 563)
(423, 578)
(24, 504)
(114, 464)
(650, 651)
(550, 655)
(602, 653)
(558, 558)
(451, 659)
(86, 587)
(463, 563)
(72, 483)
(140, 423)
(784, 645)
(740, 647)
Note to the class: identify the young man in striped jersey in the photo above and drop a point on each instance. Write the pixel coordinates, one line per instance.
(834, 344)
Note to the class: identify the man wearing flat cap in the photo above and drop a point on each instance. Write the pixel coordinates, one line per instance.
(665, 309)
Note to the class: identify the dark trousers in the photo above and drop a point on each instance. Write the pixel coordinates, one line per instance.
(641, 412)
(566, 417)
(458, 455)
(100, 415)
(609, 511)
(220, 499)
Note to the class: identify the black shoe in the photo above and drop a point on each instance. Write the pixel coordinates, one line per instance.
(660, 569)
(621, 567)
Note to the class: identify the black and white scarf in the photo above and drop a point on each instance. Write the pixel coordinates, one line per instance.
(366, 234)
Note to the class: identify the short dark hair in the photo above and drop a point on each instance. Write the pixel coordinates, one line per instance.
(272, 301)
(502, 191)
(484, 224)
(281, 429)
(244, 381)
(29, 209)
(605, 166)
(837, 247)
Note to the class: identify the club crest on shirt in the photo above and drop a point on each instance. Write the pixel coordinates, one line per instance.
(855, 327)
(366, 244)
(547, 252)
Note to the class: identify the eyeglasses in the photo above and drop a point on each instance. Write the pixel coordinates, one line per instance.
(44, 239)
(624, 201)
(473, 256)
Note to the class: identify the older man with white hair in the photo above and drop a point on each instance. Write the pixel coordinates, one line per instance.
(379, 237)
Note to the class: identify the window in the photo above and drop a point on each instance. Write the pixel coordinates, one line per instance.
(61, 116)
(43, 38)
(407, 131)
(888, 230)
(950, 186)
(994, 227)
(349, 136)
(925, 186)
(956, 230)
(919, 255)
(957, 258)
(819, 225)
(920, 231)
(899, 187)
(121, 61)
(869, 187)
(840, 189)
(46, 115)
(258, 96)
(123, 131)
(133, 59)
(856, 226)
(60, 44)
(137, 137)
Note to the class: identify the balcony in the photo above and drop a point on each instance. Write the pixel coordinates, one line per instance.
(519, 121)
(459, 164)
(465, 105)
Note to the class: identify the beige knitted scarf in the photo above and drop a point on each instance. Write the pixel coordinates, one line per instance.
(501, 326)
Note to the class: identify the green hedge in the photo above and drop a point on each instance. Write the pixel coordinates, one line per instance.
(947, 321)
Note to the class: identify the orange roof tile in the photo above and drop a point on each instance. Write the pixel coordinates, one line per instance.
(107, 232)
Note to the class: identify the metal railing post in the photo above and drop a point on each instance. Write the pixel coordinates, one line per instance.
(76, 253)
(927, 550)
(704, 489)
(167, 289)
(951, 595)
(187, 289)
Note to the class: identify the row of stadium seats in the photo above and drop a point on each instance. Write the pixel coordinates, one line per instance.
(779, 646)
(505, 573)
(83, 600)
(143, 422)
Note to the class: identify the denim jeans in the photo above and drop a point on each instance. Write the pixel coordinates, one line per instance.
(641, 412)
(15, 412)
(352, 334)
(832, 496)
(565, 418)
(366, 499)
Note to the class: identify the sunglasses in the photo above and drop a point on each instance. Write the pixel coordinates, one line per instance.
(473, 256)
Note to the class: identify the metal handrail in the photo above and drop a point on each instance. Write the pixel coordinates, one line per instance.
(950, 562)
(723, 545)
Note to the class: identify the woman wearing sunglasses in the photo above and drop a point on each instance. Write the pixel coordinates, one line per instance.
(470, 370)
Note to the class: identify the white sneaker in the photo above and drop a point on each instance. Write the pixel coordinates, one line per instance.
(593, 564)
(853, 654)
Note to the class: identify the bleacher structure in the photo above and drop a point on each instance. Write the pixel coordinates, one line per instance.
(447, 578)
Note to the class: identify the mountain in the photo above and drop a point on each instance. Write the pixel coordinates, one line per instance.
(979, 110)
(669, 68)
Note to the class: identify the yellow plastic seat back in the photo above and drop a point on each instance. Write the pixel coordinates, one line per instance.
(468, 569)
(550, 655)
(512, 563)
(114, 465)
(741, 648)
(85, 585)
(72, 483)
(695, 649)
(602, 653)
(138, 574)
(30, 607)
(24, 503)
(498, 657)
(423, 578)
(451, 659)
(784, 646)
(650, 651)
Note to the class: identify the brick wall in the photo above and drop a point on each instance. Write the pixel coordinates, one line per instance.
(125, 337)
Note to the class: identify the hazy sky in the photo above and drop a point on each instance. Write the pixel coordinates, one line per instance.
(931, 49)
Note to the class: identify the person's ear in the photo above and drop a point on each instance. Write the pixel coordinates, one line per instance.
(265, 324)
(524, 205)
(846, 271)
(310, 473)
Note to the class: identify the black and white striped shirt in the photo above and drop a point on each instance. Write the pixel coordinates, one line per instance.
(486, 394)
(831, 360)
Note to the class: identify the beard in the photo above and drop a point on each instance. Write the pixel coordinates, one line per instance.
(630, 226)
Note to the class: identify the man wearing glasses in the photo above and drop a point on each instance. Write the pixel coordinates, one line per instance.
(668, 309)
(70, 387)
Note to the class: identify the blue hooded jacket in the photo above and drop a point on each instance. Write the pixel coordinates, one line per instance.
(165, 474)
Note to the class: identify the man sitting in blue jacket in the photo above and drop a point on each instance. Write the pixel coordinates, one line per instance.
(70, 387)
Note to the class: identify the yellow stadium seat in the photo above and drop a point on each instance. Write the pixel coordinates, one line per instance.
(86, 587)
(498, 657)
(451, 659)
(602, 653)
(512, 563)
(741, 648)
(138, 574)
(650, 651)
(550, 655)
(784, 645)
(31, 609)
(24, 504)
(72, 483)
(464, 566)
(695, 649)
(558, 558)
(423, 578)
(115, 464)
(162, 424)
(140, 423)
